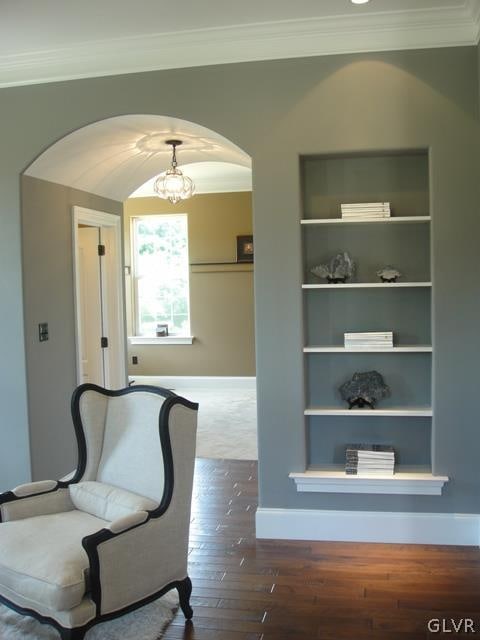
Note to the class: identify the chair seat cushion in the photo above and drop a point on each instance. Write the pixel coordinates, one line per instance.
(42, 558)
(106, 501)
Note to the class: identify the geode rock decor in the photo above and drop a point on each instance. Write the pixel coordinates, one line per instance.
(340, 269)
(389, 274)
(364, 390)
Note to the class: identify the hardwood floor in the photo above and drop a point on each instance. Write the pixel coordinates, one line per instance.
(244, 589)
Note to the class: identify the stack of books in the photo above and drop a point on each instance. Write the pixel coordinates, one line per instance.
(370, 459)
(369, 340)
(362, 210)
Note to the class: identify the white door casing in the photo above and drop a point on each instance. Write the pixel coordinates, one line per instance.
(112, 309)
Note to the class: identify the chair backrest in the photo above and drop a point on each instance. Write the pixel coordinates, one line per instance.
(121, 433)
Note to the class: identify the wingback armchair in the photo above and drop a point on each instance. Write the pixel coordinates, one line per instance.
(114, 534)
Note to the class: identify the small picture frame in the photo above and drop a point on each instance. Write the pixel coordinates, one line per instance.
(162, 330)
(244, 248)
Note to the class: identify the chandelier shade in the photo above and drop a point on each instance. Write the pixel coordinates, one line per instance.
(174, 186)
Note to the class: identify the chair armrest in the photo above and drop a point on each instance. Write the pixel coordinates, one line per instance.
(127, 522)
(137, 562)
(34, 488)
(34, 499)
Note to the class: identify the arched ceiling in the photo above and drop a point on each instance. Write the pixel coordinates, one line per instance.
(209, 177)
(113, 157)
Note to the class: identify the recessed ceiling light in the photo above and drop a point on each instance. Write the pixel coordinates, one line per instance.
(359, 1)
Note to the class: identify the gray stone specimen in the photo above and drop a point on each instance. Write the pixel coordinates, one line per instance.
(389, 274)
(340, 268)
(364, 390)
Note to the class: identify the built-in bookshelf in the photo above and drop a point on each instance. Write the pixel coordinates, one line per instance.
(362, 304)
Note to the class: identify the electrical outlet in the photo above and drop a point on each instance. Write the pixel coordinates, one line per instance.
(134, 359)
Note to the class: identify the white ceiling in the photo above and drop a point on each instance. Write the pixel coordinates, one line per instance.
(114, 157)
(33, 25)
(48, 40)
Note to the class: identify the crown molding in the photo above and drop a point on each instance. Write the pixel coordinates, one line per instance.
(381, 31)
(473, 8)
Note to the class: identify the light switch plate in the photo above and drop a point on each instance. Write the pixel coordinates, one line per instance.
(43, 332)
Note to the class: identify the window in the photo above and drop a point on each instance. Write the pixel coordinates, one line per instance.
(160, 248)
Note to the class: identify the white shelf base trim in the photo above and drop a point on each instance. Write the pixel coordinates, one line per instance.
(197, 382)
(414, 348)
(418, 484)
(399, 219)
(367, 285)
(419, 412)
(368, 526)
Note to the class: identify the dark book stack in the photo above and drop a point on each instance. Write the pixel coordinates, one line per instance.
(370, 459)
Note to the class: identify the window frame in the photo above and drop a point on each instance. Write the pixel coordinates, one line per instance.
(137, 338)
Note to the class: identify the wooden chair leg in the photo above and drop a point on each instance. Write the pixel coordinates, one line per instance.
(184, 591)
(72, 634)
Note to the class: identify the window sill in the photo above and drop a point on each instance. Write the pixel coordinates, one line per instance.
(164, 340)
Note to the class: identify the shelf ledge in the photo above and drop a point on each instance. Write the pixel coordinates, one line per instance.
(161, 340)
(367, 285)
(422, 412)
(391, 220)
(401, 483)
(414, 348)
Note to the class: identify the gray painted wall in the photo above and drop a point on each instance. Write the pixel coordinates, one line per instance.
(14, 451)
(478, 70)
(277, 111)
(49, 295)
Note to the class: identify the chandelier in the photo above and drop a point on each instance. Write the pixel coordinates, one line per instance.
(174, 186)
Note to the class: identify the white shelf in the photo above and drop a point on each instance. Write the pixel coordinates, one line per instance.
(391, 220)
(404, 482)
(367, 285)
(414, 348)
(415, 412)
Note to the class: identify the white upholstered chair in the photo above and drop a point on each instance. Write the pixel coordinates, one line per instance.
(114, 535)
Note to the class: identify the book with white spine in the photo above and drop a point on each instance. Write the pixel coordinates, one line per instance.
(365, 210)
(366, 215)
(371, 472)
(368, 339)
(369, 334)
(359, 457)
(365, 205)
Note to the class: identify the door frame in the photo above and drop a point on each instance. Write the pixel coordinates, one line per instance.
(113, 305)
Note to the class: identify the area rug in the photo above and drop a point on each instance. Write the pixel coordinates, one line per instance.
(147, 623)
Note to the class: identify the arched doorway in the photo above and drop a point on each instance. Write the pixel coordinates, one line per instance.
(96, 167)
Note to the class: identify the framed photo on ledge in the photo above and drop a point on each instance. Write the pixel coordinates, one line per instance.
(244, 248)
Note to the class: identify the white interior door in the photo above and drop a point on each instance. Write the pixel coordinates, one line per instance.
(90, 306)
(99, 299)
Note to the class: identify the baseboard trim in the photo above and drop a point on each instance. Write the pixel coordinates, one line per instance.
(368, 526)
(197, 382)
